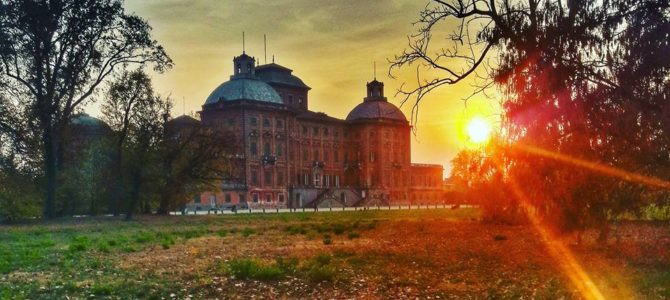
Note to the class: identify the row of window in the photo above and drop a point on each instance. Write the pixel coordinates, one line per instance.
(316, 155)
(253, 122)
(267, 177)
(318, 180)
(267, 149)
(426, 180)
(268, 197)
(316, 130)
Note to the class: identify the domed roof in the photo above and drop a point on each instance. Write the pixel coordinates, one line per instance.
(184, 120)
(376, 110)
(243, 88)
(83, 119)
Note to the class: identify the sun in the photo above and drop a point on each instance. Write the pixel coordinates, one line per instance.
(479, 131)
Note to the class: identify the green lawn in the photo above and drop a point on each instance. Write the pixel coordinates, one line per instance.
(426, 253)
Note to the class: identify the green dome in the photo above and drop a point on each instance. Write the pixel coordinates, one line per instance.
(244, 88)
(83, 119)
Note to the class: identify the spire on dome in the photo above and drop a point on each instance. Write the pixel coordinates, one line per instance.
(375, 91)
(245, 66)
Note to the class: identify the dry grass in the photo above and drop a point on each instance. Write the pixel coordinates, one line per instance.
(437, 254)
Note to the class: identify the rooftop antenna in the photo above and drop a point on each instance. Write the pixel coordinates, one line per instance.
(265, 48)
(183, 103)
(375, 69)
(273, 58)
(244, 50)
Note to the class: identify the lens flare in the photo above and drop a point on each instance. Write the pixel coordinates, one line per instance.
(478, 130)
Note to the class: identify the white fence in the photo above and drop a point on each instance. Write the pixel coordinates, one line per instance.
(327, 209)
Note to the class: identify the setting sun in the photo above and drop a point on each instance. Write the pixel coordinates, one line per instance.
(478, 130)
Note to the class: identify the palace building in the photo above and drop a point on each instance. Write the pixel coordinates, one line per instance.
(289, 156)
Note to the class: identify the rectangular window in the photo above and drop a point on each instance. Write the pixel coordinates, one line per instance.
(316, 155)
(317, 180)
(268, 178)
(254, 177)
(337, 180)
(326, 131)
(227, 198)
(346, 157)
(336, 156)
(280, 178)
(253, 148)
(306, 179)
(268, 198)
(280, 150)
(196, 199)
(266, 122)
(325, 155)
(281, 198)
(266, 149)
(315, 131)
(280, 124)
(372, 157)
(243, 198)
(304, 129)
(290, 99)
(327, 180)
(253, 121)
(255, 197)
(304, 155)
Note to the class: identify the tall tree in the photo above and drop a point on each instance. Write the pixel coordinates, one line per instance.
(55, 54)
(137, 115)
(580, 78)
(195, 157)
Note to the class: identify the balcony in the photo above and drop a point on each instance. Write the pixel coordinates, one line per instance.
(352, 165)
(269, 159)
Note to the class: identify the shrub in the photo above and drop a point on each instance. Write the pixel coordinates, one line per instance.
(103, 247)
(247, 232)
(79, 243)
(144, 237)
(354, 235)
(18, 204)
(288, 265)
(294, 229)
(339, 228)
(327, 240)
(222, 232)
(319, 269)
(248, 268)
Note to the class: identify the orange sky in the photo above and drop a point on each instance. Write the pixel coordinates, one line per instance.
(331, 45)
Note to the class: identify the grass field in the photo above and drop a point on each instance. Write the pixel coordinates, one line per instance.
(431, 254)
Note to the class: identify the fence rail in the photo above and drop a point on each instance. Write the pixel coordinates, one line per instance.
(326, 209)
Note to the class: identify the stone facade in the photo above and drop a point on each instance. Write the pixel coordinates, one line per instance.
(289, 156)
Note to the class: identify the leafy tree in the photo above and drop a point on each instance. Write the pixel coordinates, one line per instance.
(585, 79)
(55, 54)
(137, 115)
(195, 158)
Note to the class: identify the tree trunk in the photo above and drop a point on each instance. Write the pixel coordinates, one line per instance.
(50, 171)
(136, 184)
(116, 195)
